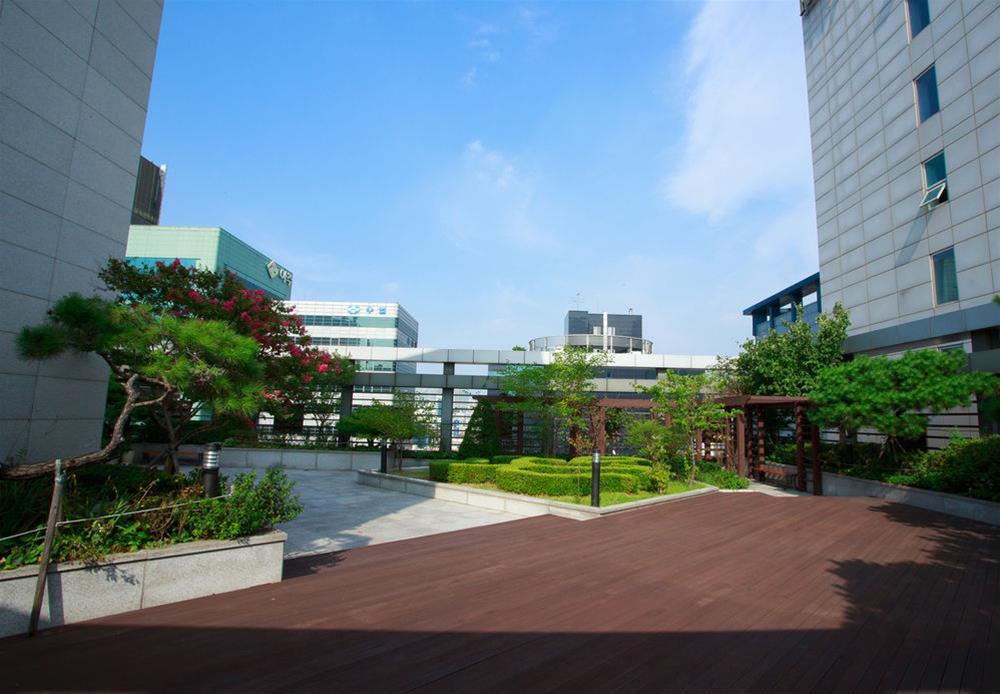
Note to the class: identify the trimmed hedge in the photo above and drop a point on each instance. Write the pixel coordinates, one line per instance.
(613, 460)
(471, 471)
(504, 459)
(522, 481)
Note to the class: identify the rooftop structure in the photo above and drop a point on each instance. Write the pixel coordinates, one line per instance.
(597, 332)
(780, 308)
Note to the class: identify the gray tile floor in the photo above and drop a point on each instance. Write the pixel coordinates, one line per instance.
(339, 513)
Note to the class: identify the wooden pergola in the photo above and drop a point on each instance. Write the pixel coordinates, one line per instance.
(746, 435)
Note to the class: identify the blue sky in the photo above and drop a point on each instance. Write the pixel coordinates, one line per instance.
(484, 163)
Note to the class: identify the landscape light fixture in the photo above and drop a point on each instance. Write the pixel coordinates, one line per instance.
(210, 469)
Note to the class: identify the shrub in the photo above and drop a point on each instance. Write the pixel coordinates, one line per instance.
(113, 489)
(522, 481)
(504, 459)
(607, 460)
(718, 476)
(462, 472)
(967, 466)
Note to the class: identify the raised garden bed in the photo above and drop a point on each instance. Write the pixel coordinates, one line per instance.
(77, 591)
(517, 504)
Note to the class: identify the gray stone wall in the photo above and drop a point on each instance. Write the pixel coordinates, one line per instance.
(74, 87)
(875, 242)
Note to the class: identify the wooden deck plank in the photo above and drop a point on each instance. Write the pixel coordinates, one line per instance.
(731, 592)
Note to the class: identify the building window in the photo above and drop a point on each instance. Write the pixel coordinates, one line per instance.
(935, 181)
(918, 15)
(945, 277)
(927, 94)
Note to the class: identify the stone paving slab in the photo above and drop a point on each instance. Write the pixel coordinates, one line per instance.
(339, 514)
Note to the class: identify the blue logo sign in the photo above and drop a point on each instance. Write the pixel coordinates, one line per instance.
(381, 310)
(354, 309)
(369, 310)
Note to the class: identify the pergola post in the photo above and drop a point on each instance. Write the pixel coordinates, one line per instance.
(817, 464)
(697, 445)
(800, 449)
(741, 446)
(760, 443)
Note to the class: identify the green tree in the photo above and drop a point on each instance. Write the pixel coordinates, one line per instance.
(663, 445)
(407, 417)
(561, 391)
(687, 399)
(153, 356)
(787, 363)
(481, 440)
(896, 396)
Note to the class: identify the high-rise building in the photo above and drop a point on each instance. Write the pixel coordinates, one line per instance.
(148, 198)
(904, 99)
(74, 87)
(904, 103)
(209, 248)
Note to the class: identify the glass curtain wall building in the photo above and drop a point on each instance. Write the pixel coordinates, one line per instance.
(209, 248)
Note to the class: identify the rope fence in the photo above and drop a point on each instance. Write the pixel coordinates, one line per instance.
(114, 515)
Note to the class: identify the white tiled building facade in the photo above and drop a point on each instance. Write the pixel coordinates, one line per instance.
(74, 86)
(892, 85)
(339, 324)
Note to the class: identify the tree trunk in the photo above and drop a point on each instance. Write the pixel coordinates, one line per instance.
(32, 470)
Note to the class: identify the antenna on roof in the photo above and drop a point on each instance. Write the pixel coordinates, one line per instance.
(630, 310)
(578, 299)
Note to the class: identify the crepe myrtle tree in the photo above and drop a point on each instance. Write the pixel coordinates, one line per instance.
(294, 371)
(687, 399)
(154, 357)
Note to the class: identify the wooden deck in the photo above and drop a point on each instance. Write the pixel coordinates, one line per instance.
(732, 592)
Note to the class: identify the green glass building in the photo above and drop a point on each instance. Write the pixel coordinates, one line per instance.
(209, 248)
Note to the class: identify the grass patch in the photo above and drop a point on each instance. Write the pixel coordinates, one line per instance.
(607, 498)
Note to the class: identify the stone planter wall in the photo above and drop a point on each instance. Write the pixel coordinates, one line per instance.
(517, 504)
(76, 591)
(953, 505)
(299, 459)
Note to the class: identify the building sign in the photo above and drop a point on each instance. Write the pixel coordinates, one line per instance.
(355, 309)
(275, 271)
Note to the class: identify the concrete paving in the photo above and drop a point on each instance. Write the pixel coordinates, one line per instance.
(339, 513)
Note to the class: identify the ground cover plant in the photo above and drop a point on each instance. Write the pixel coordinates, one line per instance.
(248, 507)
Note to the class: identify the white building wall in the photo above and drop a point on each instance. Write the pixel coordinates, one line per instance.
(875, 242)
(74, 86)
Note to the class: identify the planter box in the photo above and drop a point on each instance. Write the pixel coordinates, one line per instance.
(76, 591)
(516, 504)
(299, 459)
(951, 504)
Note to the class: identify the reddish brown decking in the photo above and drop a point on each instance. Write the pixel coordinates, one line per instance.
(732, 592)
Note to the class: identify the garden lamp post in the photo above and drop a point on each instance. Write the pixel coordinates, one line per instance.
(595, 479)
(384, 463)
(210, 469)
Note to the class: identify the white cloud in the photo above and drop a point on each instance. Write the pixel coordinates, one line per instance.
(747, 121)
(488, 199)
(469, 78)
